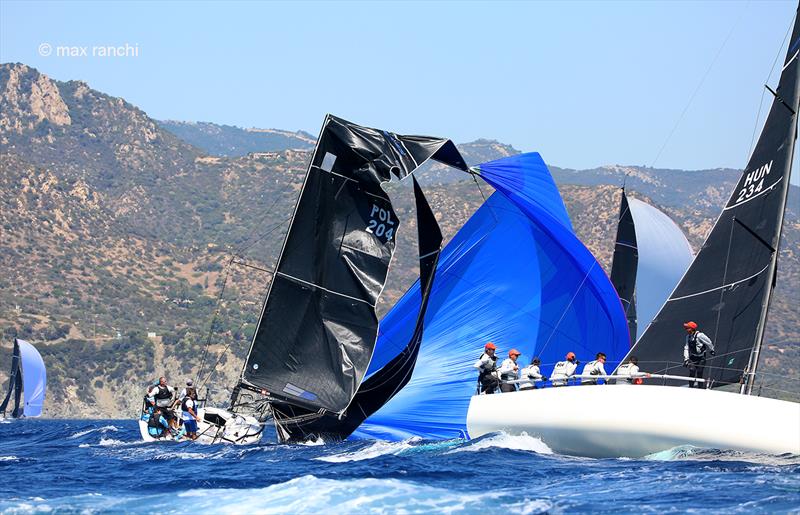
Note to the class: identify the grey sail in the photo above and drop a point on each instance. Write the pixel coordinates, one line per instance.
(318, 326)
(727, 288)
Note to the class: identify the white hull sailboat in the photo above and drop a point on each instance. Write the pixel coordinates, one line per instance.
(726, 291)
(613, 421)
(215, 426)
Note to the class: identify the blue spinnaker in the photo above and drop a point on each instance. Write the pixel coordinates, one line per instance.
(516, 275)
(34, 378)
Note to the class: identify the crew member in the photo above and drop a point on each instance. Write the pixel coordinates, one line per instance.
(630, 371)
(157, 424)
(189, 413)
(594, 368)
(509, 371)
(163, 394)
(564, 370)
(487, 369)
(694, 353)
(533, 374)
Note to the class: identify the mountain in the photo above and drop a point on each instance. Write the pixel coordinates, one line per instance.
(118, 236)
(230, 141)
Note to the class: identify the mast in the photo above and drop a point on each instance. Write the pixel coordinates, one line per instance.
(750, 373)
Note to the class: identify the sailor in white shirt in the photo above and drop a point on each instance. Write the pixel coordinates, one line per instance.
(594, 368)
(533, 373)
(564, 370)
(509, 371)
(630, 371)
(487, 369)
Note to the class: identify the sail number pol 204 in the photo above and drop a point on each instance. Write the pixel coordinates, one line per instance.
(753, 182)
(380, 223)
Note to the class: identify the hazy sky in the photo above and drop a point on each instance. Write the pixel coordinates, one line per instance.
(584, 83)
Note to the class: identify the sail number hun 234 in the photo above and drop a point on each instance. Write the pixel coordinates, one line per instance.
(380, 223)
(753, 183)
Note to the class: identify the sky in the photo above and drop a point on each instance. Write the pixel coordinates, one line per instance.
(665, 84)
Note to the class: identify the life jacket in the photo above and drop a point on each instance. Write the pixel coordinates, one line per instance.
(162, 396)
(508, 376)
(484, 372)
(185, 409)
(696, 354)
(154, 426)
(590, 369)
(531, 372)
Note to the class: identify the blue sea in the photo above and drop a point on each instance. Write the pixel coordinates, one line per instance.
(101, 466)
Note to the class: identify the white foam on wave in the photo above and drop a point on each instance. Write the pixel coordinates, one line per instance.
(313, 443)
(103, 429)
(692, 453)
(9, 458)
(379, 448)
(111, 442)
(309, 494)
(521, 442)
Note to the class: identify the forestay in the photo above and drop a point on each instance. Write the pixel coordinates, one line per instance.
(516, 275)
(727, 288)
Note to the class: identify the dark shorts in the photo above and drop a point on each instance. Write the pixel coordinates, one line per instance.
(190, 425)
(167, 414)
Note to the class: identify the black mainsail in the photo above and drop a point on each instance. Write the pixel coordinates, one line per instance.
(728, 286)
(318, 326)
(624, 264)
(14, 384)
(296, 423)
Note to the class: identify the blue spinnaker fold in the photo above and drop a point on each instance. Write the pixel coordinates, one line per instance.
(516, 275)
(34, 379)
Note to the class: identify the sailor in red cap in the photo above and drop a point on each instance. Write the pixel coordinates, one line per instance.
(564, 370)
(487, 369)
(694, 353)
(509, 371)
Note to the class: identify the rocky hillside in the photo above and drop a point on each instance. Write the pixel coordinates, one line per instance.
(118, 236)
(230, 141)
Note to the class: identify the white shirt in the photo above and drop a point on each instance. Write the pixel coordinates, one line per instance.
(562, 371)
(190, 404)
(628, 370)
(485, 362)
(507, 372)
(593, 368)
(531, 372)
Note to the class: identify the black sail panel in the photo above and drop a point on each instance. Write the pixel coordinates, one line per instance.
(297, 423)
(318, 327)
(14, 382)
(727, 288)
(624, 264)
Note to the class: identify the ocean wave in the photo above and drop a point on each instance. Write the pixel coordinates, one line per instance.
(9, 458)
(693, 453)
(304, 494)
(85, 432)
(521, 442)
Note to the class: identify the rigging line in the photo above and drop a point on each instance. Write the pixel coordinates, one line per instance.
(225, 350)
(564, 313)
(276, 225)
(474, 178)
(214, 318)
(699, 86)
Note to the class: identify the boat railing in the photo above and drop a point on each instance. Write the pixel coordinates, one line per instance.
(578, 379)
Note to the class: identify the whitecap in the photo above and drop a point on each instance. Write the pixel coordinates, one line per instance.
(379, 448)
(9, 458)
(521, 442)
(103, 429)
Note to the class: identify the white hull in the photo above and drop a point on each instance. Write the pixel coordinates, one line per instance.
(609, 421)
(217, 426)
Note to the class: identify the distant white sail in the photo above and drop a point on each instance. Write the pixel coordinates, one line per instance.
(34, 379)
(664, 256)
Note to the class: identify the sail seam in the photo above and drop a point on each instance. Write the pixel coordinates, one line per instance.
(287, 276)
(723, 286)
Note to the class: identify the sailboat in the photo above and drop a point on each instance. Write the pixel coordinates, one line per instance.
(651, 254)
(318, 327)
(26, 382)
(726, 291)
